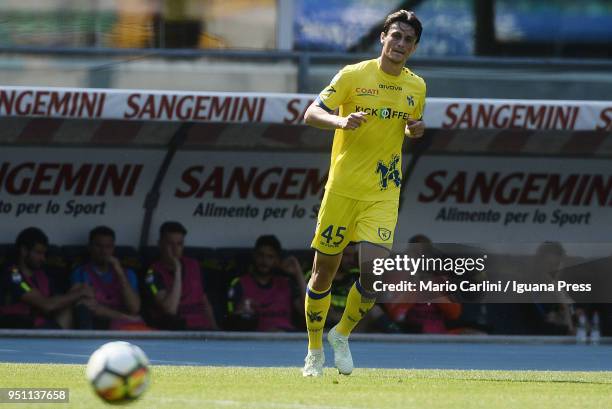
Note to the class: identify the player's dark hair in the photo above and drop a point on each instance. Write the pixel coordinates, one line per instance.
(268, 240)
(551, 247)
(172, 227)
(420, 238)
(404, 16)
(30, 237)
(101, 231)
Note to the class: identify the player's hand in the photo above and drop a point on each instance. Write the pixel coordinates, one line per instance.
(415, 129)
(84, 291)
(177, 267)
(115, 263)
(131, 318)
(245, 307)
(90, 304)
(353, 120)
(292, 265)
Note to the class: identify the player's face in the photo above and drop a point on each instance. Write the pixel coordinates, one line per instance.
(35, 257)
(399, 43)
(101, 249)
(266, 259)
(171, 246)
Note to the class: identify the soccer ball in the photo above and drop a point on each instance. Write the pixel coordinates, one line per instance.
(118, 371)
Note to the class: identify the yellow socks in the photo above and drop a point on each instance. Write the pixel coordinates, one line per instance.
(316, 307)
(357, 305)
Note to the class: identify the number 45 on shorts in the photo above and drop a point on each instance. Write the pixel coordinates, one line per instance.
(333, 236)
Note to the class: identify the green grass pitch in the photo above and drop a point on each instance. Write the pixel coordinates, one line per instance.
(278, 388)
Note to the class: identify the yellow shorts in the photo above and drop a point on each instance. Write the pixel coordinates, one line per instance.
(343, 220)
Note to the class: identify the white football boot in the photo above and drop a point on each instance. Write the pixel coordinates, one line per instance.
(342, 353)
(313, 363)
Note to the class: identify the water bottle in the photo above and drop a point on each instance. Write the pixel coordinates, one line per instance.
(595, 331)
(247, 311)
(581, 329)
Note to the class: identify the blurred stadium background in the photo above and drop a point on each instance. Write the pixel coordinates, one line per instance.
(471, 48)
(525, 50)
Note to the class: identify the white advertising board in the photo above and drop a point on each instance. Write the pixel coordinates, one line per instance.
(220, 107)
(466, 199)
(68, 191)
(228, 199)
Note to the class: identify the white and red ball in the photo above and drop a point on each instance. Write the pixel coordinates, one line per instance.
(118, 371)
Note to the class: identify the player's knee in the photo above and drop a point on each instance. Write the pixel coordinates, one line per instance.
(321, 279)
(323, 271)
(366, 289)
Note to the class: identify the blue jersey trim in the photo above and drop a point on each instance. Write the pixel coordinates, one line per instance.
(322, 105)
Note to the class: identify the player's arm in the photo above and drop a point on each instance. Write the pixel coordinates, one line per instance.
(298, 284)
(414, 129)
(168, 300)
(103, 311)
(55, 303)
(319, 117)
(322, 113)
(130, 297)
(292, 266)
(208, 312)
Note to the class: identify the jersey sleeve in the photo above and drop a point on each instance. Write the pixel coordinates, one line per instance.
(234, 295)
(78, 276)
(337, 92)
(420, 107)
(153, 281)
(17, 285)
(132, 279)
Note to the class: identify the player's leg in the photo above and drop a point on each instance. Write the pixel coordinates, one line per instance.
(316, 306)
(361, 297)
(331, 237)
(318, 296)
(374, 229)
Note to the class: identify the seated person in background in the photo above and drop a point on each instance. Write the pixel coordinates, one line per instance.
(116, 302)
(30, 302)
(175, 285)
(551, 318)
(348, 272)
(425, 318)
(271, 293)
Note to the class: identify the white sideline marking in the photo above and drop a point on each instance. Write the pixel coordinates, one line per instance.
(70, 355)
(194, 363)
(244, 404)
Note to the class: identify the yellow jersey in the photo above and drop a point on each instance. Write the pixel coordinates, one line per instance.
(366, 162)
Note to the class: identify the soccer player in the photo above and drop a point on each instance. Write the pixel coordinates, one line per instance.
(271, 291)
(116, 304)
(175, 284)
(379, 102)
(31, 302)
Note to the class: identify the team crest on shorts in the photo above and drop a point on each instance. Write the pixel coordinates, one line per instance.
(384, 234)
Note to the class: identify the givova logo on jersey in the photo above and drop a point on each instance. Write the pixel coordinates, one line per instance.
(384, 113)
(388, 172)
